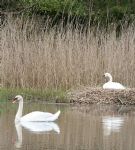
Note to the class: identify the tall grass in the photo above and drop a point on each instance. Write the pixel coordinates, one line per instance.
(64, 58)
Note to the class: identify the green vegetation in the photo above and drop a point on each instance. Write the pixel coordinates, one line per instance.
(50, 95)
(84, 11)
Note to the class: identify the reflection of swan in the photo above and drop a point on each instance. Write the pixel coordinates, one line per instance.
(39, 127)
(35, 127)
(112, 124)
(110, 84)
(33, 116)
(18, 143)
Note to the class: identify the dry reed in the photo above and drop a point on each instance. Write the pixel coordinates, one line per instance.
(64, 58)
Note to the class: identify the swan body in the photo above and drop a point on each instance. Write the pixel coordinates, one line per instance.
(113, 85)
(40, 116)
(110, 84)
(36, 116)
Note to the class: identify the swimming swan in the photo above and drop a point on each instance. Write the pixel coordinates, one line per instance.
(110, 84)
(36, 116)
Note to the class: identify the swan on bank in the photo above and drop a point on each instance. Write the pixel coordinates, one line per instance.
(110, 84)
(35, 116)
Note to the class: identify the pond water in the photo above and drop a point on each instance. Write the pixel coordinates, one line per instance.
(93, 127)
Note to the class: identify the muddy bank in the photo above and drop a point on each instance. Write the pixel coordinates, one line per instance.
(87, 95)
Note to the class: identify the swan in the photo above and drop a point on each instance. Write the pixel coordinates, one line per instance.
(110, 84)
(36, 116)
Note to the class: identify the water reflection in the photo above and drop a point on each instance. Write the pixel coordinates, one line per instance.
(40, 127)
(88, 127)
(112, 124)
(34, 127)
(18, 143)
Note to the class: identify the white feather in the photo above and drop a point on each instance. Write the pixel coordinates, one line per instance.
(110, 84)
(40, 116)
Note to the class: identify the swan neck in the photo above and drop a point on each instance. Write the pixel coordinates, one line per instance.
(19, 112)
(110, 78)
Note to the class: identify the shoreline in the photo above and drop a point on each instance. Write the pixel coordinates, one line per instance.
(81, 95)
(30, 94)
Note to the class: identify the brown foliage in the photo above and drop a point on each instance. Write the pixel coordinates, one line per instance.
(44, 59)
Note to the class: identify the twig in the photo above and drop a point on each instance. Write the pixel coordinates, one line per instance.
(120, 101)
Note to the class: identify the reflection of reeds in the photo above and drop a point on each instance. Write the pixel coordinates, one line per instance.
(64, 58)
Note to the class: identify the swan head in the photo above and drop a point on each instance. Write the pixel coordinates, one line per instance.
(17, 98)
(108, 76)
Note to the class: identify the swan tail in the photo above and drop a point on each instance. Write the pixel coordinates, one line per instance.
(57, 114)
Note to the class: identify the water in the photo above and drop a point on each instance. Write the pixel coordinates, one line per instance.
(92, 127)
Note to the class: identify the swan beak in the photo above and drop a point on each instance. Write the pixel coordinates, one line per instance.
(14, 100)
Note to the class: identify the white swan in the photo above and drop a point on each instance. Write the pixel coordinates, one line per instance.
(36, 116)
(110, 84)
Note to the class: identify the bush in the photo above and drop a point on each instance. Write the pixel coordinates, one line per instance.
(84, 11)
(71, 7)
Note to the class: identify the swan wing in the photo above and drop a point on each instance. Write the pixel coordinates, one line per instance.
(113, 85)
(119, 86)
(38, 116)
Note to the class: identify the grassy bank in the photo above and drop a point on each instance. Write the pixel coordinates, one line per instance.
(48, 95)
(36, 57)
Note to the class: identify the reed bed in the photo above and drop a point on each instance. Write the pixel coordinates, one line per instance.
(34, 56)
